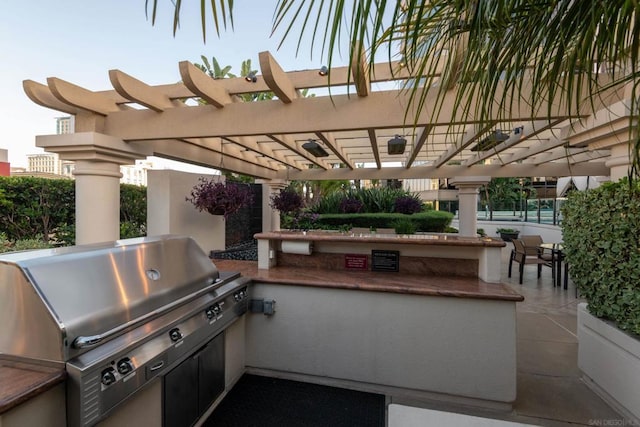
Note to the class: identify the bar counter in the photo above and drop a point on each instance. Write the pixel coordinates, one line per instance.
(368, 238)
(458, 287)
(442, 255)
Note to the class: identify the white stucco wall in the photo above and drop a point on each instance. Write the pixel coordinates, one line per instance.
(429, 344)
(169, 213)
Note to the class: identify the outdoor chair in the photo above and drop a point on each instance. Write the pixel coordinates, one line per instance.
(532, 255)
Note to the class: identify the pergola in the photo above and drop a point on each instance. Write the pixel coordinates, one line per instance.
(202, 120)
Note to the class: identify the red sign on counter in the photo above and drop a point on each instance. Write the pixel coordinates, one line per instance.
(355, 262)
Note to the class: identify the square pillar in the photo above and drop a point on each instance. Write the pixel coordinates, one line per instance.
(270, 222)
(468, 189)
(97, 201)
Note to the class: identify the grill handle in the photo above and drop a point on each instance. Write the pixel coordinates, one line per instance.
(93, 340)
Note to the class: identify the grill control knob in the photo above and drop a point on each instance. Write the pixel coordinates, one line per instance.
(216, 308)
(108, 377)
(210, 312)
(175, 334)
(125, 366)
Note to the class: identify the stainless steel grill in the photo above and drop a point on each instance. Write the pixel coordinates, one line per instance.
(118, 314)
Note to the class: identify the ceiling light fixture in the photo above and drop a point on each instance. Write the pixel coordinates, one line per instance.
(396, 145)
(491, 140)
(323, 71)
(314, 148)
(251, 77)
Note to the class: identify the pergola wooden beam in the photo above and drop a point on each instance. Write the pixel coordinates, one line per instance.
(287, 142)
(379, 110)
(374, 147)
(41, 95)
(471, 134)
(541, 147)
(448, 171)
(251, 145)
(139, 92)
(360, 74)
(276, 78)
(330, 142)
(80, 97)
(198, 154)
(419, 142)
(528, 130)
(204, 86)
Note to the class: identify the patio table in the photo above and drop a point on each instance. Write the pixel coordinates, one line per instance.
(557, 251)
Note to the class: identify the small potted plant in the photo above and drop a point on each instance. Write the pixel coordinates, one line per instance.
(220, 198)
(508, 234)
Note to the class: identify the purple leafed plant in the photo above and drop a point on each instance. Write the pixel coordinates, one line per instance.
(287, 201)
(407, 205)
(219, 198)
(350, 205)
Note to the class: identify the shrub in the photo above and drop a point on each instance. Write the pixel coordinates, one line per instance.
(429, 221)
(404, 226)
(22, 245)
(350, 205)
(600, 232)
(373, 200)
(407, 205)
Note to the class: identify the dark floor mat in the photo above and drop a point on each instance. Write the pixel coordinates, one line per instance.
(271, 402)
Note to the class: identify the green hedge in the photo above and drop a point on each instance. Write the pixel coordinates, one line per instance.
(44, 209)
(429, 221)
(601, 233)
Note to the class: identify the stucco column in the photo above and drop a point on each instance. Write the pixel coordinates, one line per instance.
(468, 189)
(97, 160)
(97, 201)
(270, 222)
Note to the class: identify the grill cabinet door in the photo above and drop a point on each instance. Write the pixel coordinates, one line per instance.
(211, 372)
(180, 385)
(191, 387)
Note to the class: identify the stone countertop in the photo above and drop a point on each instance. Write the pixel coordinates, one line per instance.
(410, 239)
(21, 380)
(457, 287)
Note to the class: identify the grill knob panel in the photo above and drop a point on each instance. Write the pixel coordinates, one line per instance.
(175, 334)
(125, 366)
(108, 377)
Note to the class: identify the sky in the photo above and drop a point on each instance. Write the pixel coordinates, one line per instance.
(81, 40)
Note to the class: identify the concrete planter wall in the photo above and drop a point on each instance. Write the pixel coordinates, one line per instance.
(610, 361)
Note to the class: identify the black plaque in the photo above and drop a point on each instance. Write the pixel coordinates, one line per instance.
(385, 260)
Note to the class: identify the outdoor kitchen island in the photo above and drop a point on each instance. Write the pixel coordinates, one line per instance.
(419, 329)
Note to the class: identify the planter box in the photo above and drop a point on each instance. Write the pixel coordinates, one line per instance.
(507, 237)
(610, 361)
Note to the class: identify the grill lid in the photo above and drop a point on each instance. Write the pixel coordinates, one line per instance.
(91, 289)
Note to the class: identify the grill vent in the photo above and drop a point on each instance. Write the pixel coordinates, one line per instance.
(91, 400)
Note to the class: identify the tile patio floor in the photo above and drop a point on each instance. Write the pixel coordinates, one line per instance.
(550, 389)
